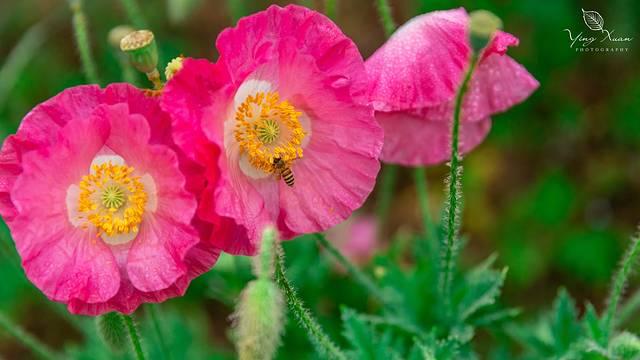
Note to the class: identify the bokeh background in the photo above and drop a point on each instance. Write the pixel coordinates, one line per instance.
(554, 189)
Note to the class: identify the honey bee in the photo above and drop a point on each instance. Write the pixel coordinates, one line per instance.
(284, 171)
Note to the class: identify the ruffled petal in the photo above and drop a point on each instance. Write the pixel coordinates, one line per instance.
(413, 141)
(64, 262)
(421, 64)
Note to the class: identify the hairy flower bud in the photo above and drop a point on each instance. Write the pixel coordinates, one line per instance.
(482, 25)
(112, 331)
(259, 320)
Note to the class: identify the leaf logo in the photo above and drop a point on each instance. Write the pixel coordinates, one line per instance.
(593, 20)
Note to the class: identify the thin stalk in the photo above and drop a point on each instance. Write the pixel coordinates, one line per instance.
(134, 336)
(362, 278)
(24, 51)
(420, 178)
(330, 9)
(385, 193)
(157, 327)
(619, 283)
(454, 194)
(33, 344)
(628, 308)
(134, 14)
(81, 33)
(384, 11)
(321, 341)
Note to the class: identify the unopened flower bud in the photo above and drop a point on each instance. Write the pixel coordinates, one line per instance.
(259, 321)
(173, 67)
(142, 50)
(111, 329)
(482, 25)
(118, 33)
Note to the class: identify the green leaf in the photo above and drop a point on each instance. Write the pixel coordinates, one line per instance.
(564, 324)
(593, 326)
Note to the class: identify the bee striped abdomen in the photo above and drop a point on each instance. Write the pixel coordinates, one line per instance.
(287, 176)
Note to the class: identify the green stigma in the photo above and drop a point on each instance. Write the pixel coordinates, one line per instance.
(268, 131)
(113, 197)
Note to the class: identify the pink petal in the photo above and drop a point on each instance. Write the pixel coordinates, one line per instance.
(414, 141)
(64, 262)
(156, 259)
(421, 65)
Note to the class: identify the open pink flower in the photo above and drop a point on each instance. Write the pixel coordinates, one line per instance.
(97, 204)
(284, 95)
(413, 79)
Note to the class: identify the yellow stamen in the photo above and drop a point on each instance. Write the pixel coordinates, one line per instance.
(267, 128)
(111, 199)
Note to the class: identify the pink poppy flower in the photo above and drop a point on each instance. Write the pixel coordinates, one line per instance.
(97, 203)
(284, 96)
(413, 81)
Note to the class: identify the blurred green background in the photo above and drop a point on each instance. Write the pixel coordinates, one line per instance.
(554, 190)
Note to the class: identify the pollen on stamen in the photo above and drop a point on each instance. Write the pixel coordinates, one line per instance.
(267, 128)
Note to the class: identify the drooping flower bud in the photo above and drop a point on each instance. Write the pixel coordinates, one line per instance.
(112, 331)
(259, 316)
(482, 25)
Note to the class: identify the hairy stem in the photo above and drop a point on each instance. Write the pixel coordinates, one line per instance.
(454, 194)
(619, 283)
(362, 278)
(157, 327)
(420, 178)
(316, 335)
(81, 33)
(628, 309)
(134, 336)
(134, 14)
(33, 344)
(384, 11)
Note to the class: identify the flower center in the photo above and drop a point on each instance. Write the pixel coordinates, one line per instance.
(111, 199)
(267, 128)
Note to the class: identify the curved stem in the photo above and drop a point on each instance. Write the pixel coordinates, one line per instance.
(81, 32)
(157, 327)
(317, 336)
(33, 344)
(134, 336)
(628, 309)
(454, 194)
(362, 278)
(384, 11)
(619, 284)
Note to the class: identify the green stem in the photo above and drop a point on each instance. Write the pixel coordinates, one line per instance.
(134, 14)
(128, 73)
(454, 194)
(420, 178)
(384, 11)
(81, 33)
(364, 280)
(321, 341)
(619, 284)
(385, 193)
(134, 336)
(157, 327)
(33, 344)
(628, 308)
(330, 9)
